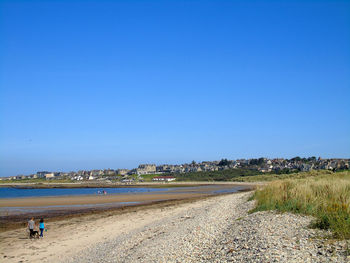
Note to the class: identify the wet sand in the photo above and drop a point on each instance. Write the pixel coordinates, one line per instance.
(171, 194)
(90, 199)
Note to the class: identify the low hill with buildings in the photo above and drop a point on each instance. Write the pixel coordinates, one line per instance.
(222, 170)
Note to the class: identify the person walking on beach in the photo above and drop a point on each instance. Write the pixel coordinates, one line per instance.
(31, 224)
(41, 227)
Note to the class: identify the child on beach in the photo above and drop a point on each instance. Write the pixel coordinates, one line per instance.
(31, 224)
(41, 227)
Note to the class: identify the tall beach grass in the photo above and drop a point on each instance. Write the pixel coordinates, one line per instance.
(324, 195)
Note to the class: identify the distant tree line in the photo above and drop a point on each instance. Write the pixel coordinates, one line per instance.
(304, 160)
(224, 162)
(259, 161)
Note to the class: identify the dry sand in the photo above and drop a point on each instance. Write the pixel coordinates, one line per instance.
(66, 238)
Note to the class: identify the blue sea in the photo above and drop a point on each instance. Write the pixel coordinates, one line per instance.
(11, 192)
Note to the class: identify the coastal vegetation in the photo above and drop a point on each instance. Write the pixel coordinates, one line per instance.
(36, 181)
(244, 175)
(223, 175)
(268, 177)
(324, 195)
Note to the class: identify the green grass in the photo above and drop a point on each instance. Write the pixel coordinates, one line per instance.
(215, 176)
(212, 176)
(149, 177)
(37, 180)
(268, 177)
(324, 195)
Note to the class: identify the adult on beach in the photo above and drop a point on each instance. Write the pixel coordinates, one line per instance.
(31, 225)
(41, 227)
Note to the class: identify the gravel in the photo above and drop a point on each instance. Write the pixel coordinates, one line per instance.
(220, 230)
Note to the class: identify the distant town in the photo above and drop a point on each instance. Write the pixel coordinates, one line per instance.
(167, 172)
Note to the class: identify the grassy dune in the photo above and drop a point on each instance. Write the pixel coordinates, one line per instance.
(324, 195)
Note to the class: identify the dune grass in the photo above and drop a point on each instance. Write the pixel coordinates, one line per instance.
(324, 195)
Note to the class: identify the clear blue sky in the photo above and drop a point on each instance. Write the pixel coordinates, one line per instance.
(111, 84)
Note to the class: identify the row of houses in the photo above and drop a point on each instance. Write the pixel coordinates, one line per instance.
(261, 164)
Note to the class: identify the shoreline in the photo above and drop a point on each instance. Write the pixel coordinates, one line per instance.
(49, 185)
(94, 198)
(58, 207)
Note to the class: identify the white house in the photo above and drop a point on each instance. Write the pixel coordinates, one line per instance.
(163, 179)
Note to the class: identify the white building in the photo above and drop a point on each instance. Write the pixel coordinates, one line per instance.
(163, 179)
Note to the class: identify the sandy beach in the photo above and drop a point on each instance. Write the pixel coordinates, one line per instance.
(64, 238)
(212, 229)
(14, 212)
